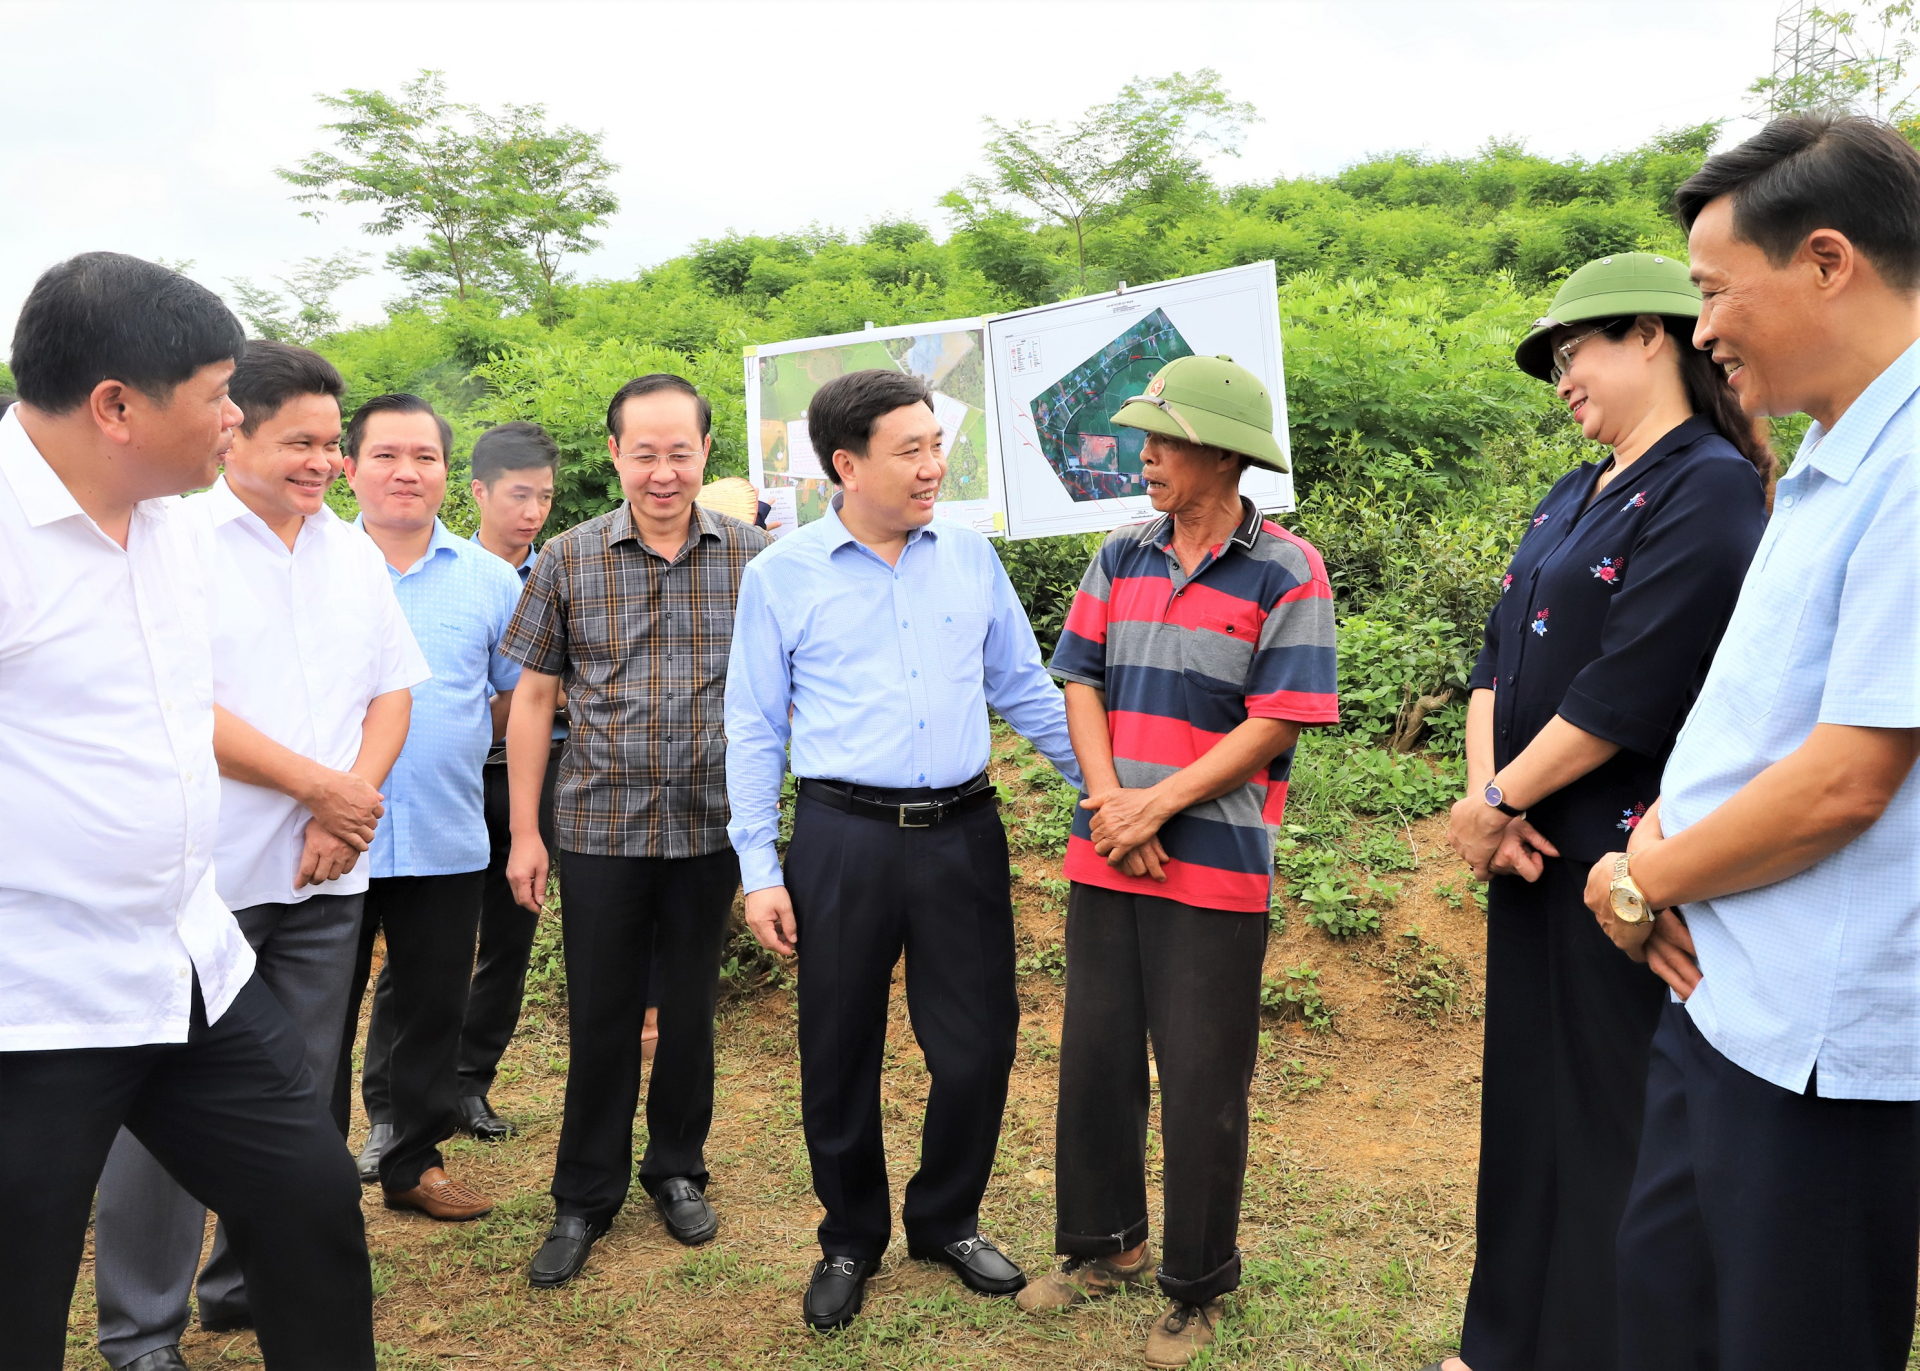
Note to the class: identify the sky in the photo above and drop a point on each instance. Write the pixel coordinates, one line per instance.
(155, 128)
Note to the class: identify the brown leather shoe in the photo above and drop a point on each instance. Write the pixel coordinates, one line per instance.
(440, 1196)
(1178, 1335)
(1079, 1279)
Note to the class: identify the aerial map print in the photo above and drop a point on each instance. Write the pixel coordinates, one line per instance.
(1093, 459)
(952, 363)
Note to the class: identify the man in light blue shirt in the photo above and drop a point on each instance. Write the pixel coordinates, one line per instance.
(430, 852)
(874, 641)
(1775, 1214)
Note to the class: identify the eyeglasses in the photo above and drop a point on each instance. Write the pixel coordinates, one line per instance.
(1563, 355)
(647, 461)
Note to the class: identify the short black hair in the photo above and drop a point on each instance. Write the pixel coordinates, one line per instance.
(1808, 171)
(842, 413)
(398, 403)
(273, 373)
(515, 446)
(105, 316)
(647, 385)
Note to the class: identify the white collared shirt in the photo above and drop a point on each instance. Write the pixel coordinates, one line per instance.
(108, 790)
(303, 640)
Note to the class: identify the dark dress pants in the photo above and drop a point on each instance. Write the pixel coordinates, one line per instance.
(618, 916)
(1188, 979)
(1766, 1230)
(863, 890)
(1563, 1085)
(233, 1115)
(430, 923)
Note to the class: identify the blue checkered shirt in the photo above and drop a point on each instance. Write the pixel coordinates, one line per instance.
(1824, 967)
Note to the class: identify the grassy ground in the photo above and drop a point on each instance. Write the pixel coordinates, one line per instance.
(1357, 1229)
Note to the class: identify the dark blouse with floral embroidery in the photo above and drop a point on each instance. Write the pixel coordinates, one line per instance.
(1609, 616)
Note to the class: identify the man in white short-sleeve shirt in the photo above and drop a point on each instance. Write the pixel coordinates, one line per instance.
(312, 665)
(128, 994)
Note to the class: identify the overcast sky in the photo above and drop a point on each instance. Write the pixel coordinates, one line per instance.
(154, 128)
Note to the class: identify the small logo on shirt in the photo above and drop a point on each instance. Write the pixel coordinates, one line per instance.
(1637, 502)
(1609, 569)
(1539, 624)
(1540, 519)
(1630, 818)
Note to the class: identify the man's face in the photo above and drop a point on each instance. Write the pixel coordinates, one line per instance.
(282, 469)
(1183, 475)
(1758, 319)
(400, 475)
(179, 444)
(660, 454)
(515, 507)
(898, 480)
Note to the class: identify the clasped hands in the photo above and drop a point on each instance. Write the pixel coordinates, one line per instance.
(346, 810)
(1662, 942)
(1495, 845)
(1126, 829)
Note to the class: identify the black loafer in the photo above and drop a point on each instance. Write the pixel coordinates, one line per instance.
(982, 1267)
(685, 1211)
(835, 1293)
(379, 1136)
(477, 1119)
(166, 1358)
(564, 1252)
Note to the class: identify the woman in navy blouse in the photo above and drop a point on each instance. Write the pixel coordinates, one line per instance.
(1607, 620)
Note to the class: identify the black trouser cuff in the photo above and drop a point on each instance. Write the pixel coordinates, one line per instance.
(1100, 1244)
(1222, 1280)
(651, 1184)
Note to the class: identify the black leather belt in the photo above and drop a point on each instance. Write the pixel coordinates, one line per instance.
(905, 808)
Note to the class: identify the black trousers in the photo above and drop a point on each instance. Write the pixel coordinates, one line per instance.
(429, 922)
(863, 890)
(1563, 1085)
(233, 1115)
(1766, 1230)
(618, 916)
(506, 939)
(1141, 968)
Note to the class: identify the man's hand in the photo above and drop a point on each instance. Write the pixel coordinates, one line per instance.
(1145, 860)
(324, 857)
(527, 871)
(345, 805)
(1629, 938)
(770, 916)
(1475, 830)
(1124, 819)
(1670, 952)
(1522, 852)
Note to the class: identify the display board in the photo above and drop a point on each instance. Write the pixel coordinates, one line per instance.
(1061, 372)
(949, 356)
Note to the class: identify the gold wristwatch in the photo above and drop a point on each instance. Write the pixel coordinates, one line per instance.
(1629, 901)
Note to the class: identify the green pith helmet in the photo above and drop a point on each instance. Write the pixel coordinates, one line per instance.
(1210, 400)
(1612, 288)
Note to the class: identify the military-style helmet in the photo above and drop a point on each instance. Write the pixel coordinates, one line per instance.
(1211, 400)
(1626, 283)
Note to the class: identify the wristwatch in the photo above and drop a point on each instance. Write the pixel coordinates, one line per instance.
(1629, 901)
(1494, 796)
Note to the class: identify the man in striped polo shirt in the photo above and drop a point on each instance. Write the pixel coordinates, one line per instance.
(1197, 646)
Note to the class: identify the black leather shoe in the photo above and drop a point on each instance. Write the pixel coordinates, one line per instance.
(685, 1211)
(378, 1137)
(564, 1252)
(166, 1358)
(835, 1293)
(983, 1268)
(477, 1119)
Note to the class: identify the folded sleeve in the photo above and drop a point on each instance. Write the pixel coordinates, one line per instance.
(1081, 654)
(1873, 674)
(1683, 575)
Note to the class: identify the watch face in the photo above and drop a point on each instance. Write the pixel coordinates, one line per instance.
(1495, 796)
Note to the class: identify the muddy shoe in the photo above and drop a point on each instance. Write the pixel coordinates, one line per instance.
(1178, 1335)
(1079, 1279)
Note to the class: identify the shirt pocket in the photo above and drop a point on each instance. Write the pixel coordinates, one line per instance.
(1217, 654)
(963, 642)
(714, 645)
(1751, 664)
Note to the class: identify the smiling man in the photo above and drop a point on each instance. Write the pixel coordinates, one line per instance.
(873, 641)
(430, 851)
(1774, 1217)
(631, 612)
(312, 664)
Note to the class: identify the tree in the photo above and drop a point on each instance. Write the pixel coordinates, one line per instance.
(551, 185)
(1847, 60)
(306, 310)
(1154, 133)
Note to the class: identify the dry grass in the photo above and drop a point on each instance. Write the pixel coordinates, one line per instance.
(1357, 1232)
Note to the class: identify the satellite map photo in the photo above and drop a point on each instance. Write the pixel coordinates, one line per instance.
(1073, 416)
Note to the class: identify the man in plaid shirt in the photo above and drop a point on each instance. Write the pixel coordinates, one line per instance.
(633, 613)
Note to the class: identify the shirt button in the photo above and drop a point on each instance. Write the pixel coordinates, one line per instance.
(913, 673)
(923, 723)
(923, 777)
(1787, 500)
(903, 623)
(182, 974)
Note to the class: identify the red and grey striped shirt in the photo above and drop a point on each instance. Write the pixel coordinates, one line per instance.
(1184, 660)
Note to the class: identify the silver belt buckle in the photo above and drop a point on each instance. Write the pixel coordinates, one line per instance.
(905, 809)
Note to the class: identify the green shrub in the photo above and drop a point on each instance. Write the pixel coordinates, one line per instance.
(1297, 995)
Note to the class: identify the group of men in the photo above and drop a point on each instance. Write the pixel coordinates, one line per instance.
(183, 953)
